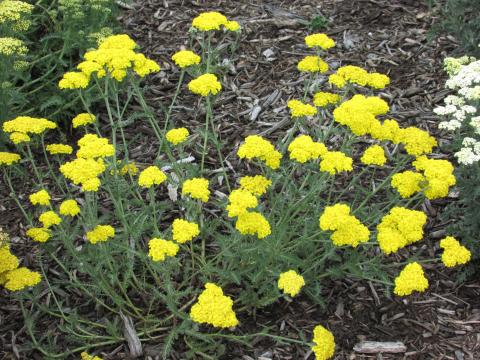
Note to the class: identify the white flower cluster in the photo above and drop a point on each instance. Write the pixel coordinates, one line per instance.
(460, 109)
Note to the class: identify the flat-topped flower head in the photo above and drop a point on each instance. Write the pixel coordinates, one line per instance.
(19, 138)
(374, 155)
(185, 58)
(39, 234)
(232, 25)
(253, 223)
(14, 13)
(438, 175)
(454, 253)
(160, 249)
(335, 162)
(323, 99)
(143, 66)
(319, 40)
(91, 146)
(408, 183)
(399, 228)
(210, 20)
(240, 200)
(73, 80)
(312, 64)
(256, 147)
(21, 278)
(86, 356)
(290, 282)
(49, 218)
(377, 81)
(257, 184)
(184, 230)
(177, 136)
(28, 125)
(196, 188)
(205, 85)
(57, 149)
(83, 119)
(41, 197)
(353, 74)
(12, 46)
(411, 278)
(214, 308)
(300, 109)
(324, 347)
(118, 41)
(303, 149)
(69, 208)
(7, 158)
(417, 142)
(100, 233)
(8, 261)
(150, 176)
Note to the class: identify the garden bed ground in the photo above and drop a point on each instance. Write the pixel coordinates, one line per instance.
(386, 36)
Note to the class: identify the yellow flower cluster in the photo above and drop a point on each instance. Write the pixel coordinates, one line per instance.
(18, 138)
(323, 99)
(256, 147)
(324, 347)
(130, 168)
(357, 75)
(49, 218)
(185, 58)
(197, 188)
(7, 158)
(253, 223)
(438, 175)
(83, 119)
(408, 183)
(114, 56)
(290, 282)
(14, 11)
(100, 233)
(69, 208)
(374, 155)
(41, 197)
(240, 200)
(257, 184)
(184, 230)
(54, 149)
(28, 125)
(319, 41)
(8, 261)
(411, 278)
(312, 64)
(150, 176)
(84, 172)
(91, 146)
(159, 249)
(232, 25)
(39, 234)
(204, 85)
(347, 229)
(454, 253)
(213, 20)
(335, 162)
(299, 109)
(214, 308)
(86, 356)
(303, 149)
(399, 228)
(11, 46)
(177, 136)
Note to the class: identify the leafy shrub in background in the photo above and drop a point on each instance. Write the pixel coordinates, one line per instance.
(183, 251)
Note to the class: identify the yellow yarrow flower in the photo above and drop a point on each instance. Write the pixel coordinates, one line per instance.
(80, 171)
(7, 158)
(374, 155)
(177, 136)
(290, 282)
(257, 184)
(28, 125)
(54, 149)
(256, 147)
(210, 20)
(83, 119)
(312, 64)
(232, 26)
(15, 12)
(8, 261)
(253, 223)
(91, 146)
(353, 74)
(86, 356)
(159, 249)
(408, 183)
(299, 109)
(184, 230)
(69, 208)
(324, 347)
(11, 46)
(18, 138)
(185, 58)
(21, 278)
(204, 85)
(74, 80)
(130, 168)
(49, 218)
(411, 278)
(240, 200)
(323, 99)
(319, 40)
(454, 253)
(143, 66)
(100, 233)
(150, 176)
(438, 175)
(303, 149)
(39, 234)
(377, 80)
(119, 41)
(40, 198)
(196, 188)
(91, 184)
(214, 308)
(417, 142)
(334, 162)
(337, 80)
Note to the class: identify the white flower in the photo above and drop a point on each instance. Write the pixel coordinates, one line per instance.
(468, 141)
(469, 109)
(466, 156)
(454, 100)
(450, 125)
